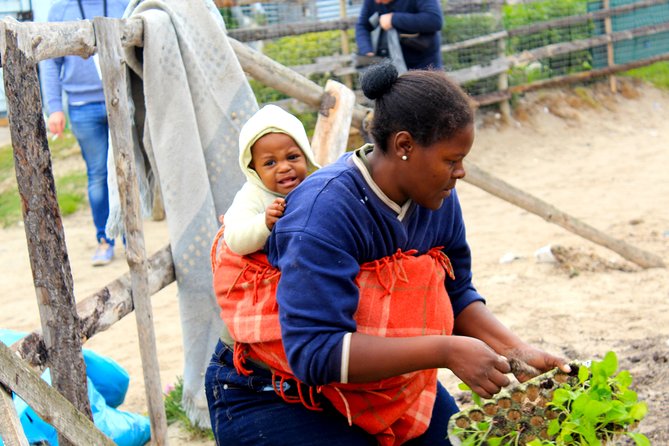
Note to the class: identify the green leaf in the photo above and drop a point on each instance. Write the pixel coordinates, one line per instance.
(496, 441)
(583, 374)
(638, 411)
(553, 427)
(623, 379)
(610, 363)
(560, 396)
(639, 439)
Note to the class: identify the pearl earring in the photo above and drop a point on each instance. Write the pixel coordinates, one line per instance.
(404, 157)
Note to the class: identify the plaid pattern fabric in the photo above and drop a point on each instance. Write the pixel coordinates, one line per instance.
(400, 295)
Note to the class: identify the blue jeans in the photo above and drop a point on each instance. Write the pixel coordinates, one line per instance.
(90, 127)
(245, 410)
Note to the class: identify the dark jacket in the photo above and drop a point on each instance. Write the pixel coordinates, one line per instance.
(424, 17)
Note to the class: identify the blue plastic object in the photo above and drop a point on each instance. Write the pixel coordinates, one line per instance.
(107, 386)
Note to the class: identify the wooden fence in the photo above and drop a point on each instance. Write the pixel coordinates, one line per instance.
(345, 65)
(66, 326)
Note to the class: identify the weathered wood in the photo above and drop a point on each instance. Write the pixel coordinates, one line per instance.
(114, 77)
(58, 39)
(281, 78)
(99, 311)
(73, 426)
(550, 213)
(582, 18)
(500, 65)
(290, 29)
(333, 123)
(11, 431)
(480, 40)
(49, 261)
(586, 75)
(491, 98)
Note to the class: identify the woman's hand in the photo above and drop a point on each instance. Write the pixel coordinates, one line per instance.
(528, 361)
(274, 212)
(478, 365)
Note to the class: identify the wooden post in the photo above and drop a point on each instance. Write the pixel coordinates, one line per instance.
(51, 406)
(115, 78)
(503, 77)
(608, 29)
(11, 430)
(345, 49)
(334, 123)
(44, 228)
(505, 191)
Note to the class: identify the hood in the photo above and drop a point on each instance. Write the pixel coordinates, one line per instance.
(271, 119)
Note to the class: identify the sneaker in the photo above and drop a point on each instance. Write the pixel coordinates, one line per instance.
(103, 254)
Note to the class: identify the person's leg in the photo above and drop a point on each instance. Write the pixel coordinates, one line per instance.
(437, 432)
(242, 413)
(89, 125)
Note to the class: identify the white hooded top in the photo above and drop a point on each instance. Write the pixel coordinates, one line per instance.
(245, 229)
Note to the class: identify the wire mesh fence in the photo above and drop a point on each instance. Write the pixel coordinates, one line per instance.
(525, 40)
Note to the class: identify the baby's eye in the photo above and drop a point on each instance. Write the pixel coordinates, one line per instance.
(269, 163)
(294, 156)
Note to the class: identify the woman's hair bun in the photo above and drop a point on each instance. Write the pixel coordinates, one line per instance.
(378, 79)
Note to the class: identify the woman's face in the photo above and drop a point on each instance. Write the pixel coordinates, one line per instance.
(430, 172)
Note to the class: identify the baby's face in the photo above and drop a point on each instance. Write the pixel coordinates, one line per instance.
(279, 162)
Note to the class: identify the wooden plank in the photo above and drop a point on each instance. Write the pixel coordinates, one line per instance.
(586, 75)
(290, 29)
(333, 124)
(104, 308)
(11, 431)
(45, 237)
(583, 18)
(480, 40)
(51, 406)
(115, 81)
(550, 213)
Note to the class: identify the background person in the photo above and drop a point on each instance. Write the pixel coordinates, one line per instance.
(374, 293)
(79, 79)
(418, 23)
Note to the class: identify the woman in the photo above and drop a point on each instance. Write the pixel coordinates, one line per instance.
(374, 292)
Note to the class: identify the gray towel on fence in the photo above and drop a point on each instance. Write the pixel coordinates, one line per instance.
(191, 97)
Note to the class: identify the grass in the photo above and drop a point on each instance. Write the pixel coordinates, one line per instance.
(70, 186)
(657, 74)
(176, 414)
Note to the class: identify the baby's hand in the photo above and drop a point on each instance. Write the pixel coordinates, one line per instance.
(274, 212)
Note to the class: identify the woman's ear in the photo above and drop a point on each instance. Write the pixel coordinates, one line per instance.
(403, 145)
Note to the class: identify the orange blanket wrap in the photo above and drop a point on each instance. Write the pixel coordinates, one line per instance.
(401, 295)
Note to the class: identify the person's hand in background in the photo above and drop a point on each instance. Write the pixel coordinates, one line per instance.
(56, 123)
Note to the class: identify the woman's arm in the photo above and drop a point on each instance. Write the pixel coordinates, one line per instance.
(373, 358)
(478, 322)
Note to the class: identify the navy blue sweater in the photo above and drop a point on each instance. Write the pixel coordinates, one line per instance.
(409, 17)
(334, 222)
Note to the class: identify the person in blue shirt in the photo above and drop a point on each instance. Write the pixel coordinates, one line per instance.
(356, 320)
(418, 23)
(78, 78)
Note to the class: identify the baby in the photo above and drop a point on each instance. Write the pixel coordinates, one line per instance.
(275, 156)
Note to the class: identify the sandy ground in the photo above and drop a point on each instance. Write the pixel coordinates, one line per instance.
(602, 158)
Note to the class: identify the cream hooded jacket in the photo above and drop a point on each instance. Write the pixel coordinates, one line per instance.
(245, 229)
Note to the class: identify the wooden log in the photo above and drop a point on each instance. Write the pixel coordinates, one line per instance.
(11, 431)
(49, 261)
(281, 78)
(115, 81)
(99, 311)
(333, 123)
(52, 407)
(480, 40)
(290, 29)
(550, 213)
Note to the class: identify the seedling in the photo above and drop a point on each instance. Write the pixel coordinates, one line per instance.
(590, 406)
